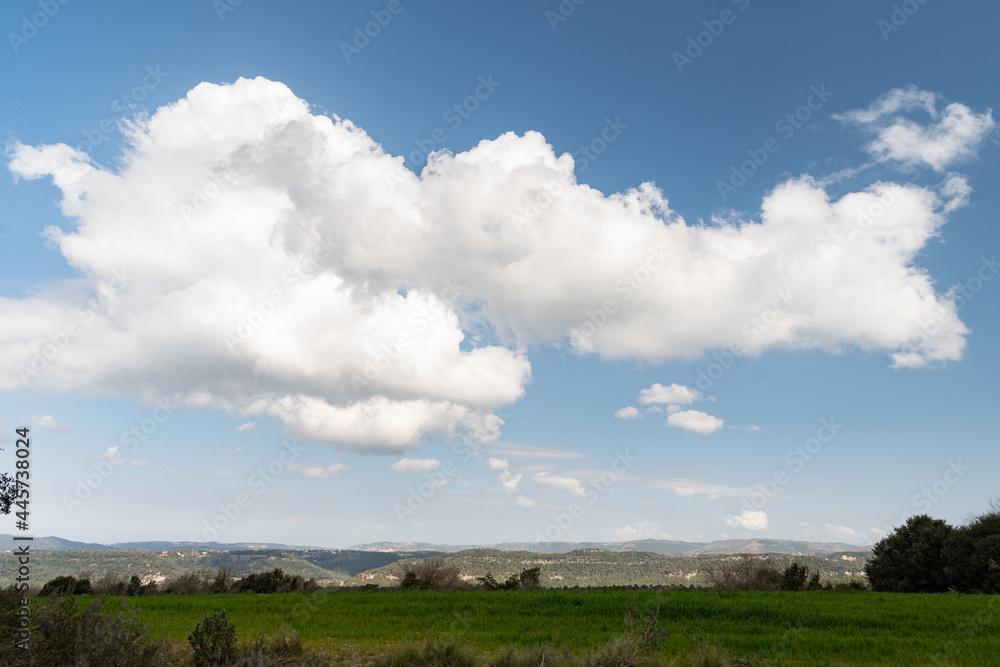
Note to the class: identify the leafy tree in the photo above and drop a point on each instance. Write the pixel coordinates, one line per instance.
(794, 577)
(8, 492)
(911, 559)
(972, 555)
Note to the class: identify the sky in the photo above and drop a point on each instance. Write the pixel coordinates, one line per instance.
(477, 272)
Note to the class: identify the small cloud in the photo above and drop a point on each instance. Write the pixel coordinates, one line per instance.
(642, 530)
(694, 420)
(628, 413)
(747, 520)
(565, 484)
(171, 471)
(498, 464)
(955, 134)
(415, 465)
(232, 451)
(654, 410)
(49, 422)
(752, 428)
(317, 472)
(111, 454)
(247, 427)
(225, 473)
(524, 501)
(674, 393)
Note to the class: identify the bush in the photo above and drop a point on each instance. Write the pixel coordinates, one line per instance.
(65, 635)
(911, 558)
(191, 583)
(66, 585)
(972, 555)
(745, 573)
(274, 581)
(430, 653)
(529, 579)
(432, 573)
(110, 584)
(214, 641)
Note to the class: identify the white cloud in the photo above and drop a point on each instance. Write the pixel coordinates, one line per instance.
(628, 413)
(415, 465)
(47, 421)
(508, 480)
(524, 501)
(693, 487)
(956, 136)
(171, 471)
(111, 454)
(317, 472)
(748, 520)
(246, 428)
(752, 428)
(226, 474)
(695, 420)
(567, 485)
(675, 393)
(498, 464)
(642, 530)
(281, 296)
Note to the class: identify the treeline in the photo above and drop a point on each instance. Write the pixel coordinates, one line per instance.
(927, 555)
(223, 580)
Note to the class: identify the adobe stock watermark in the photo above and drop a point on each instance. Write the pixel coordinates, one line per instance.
(899, 17)
(752, 329)
(363, 35)
(47, 349)
(230, 512)
(105, 466)
(786, 127)
(593, 489)
(455, 116)
(562, 12)
(629, 285)
(223, 7)
(696, 44)
(108, 126)
(796, 459)
(30, 25)
(418, 324)
(419, 495)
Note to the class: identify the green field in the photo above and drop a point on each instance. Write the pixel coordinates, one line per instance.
(804, 628)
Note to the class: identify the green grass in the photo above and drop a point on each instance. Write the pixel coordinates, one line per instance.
(815, 628)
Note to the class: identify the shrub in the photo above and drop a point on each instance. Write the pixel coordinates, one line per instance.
(432, 573)
(972, 555)
(274, 581)
(527, 580)
(911, 558)
(214, 641)
(745, 573)
(190, 583)
(66, 585)
(430, 653)
(110, 584)
(66, 635)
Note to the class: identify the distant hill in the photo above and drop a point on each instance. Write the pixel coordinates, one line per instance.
(758, 546)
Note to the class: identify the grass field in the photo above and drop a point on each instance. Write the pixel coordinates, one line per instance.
(805, 628)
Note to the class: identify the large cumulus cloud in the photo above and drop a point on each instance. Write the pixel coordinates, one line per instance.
(251, 256)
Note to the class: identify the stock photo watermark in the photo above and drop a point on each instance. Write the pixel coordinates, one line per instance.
(696, 44)
(33, 23)
(786, 126)
(899, 17)
(592, 491)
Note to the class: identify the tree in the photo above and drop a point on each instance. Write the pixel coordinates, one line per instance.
(911, 559)
(8, 492)
(746, 573)
(972, 554)
(794, 577)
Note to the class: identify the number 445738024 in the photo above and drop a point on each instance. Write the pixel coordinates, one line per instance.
(21, 486)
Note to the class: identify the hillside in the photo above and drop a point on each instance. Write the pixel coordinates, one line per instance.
(594, 567)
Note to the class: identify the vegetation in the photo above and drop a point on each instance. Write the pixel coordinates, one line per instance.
(213, 641)
(929, 556)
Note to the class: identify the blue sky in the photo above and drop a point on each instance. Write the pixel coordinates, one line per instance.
(620, 195)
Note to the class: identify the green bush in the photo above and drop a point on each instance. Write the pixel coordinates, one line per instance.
(430, 653)
(794, 577)
(911, 558)
(66, 585)
(214, 641)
